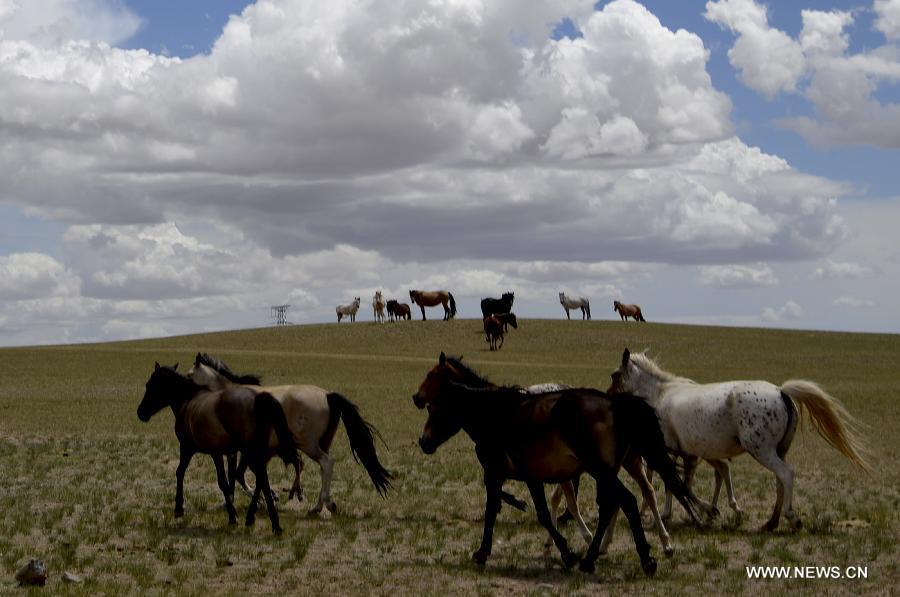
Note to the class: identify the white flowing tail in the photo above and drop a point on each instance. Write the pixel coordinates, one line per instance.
(830, 418)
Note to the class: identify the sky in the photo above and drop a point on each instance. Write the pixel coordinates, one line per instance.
(169, 170)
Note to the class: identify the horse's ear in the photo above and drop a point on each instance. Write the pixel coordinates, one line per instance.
(442, 359)
(175, 368)
(197, 360)
(156, 366)
(626, 356)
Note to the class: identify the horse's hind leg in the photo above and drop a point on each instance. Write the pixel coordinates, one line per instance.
(326, 466)
(636, 470)
(222, 479)
(568, 489)
(608, 506)
(296, 488)
(629, 506)
(723, 473)
(262, 478)
(784, 476)
(543, 514)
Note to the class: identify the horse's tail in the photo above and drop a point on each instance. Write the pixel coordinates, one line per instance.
(269, 416)
(452, 304)
(640, 315)
(830, 419)
(587, 307)
(636, 423)
(361, 434)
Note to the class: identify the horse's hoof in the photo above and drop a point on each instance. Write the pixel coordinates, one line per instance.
(332, 507)
(232, 520)
(480, 557)
(314, 511)
(649, 566)
(251, 520)
(769, 527)
(669, 551)
(570, 559)
(587, 567)
(179, 512)
(276, 531)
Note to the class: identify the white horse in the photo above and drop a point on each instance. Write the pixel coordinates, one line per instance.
(579, 303)
(378, 304)
(722, 420)
(312, 415)
(348, 310)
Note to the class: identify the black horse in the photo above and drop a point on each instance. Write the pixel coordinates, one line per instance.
(237, 419)
(492, 306)
(549, 438)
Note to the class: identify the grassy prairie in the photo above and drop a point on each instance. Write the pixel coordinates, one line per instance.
(90, 489)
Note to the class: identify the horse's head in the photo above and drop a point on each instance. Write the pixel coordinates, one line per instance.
(158, 391)
(616, 305)
(204, 375)
(413, 294)
(511, 320)
(508, 296)
(621, 378)
(435, 395)
(562, 297)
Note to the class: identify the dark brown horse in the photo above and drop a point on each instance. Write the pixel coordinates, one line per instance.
(495, 326)
(492, 306)
(552, 437)
(398, 311)
(626, 311)
(433, 298)
(237, 419)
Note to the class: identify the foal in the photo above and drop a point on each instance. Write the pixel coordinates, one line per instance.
(495, 326)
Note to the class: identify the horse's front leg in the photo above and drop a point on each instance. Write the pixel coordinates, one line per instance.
(543, 514)
(492, 487)
(223, 481)
(184, 460)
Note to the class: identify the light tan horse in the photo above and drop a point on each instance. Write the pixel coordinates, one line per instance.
(378, 304)
(312, 415)
(433, 298)
(626, 311)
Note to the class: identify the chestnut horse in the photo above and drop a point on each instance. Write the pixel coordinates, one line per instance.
(551, 437)
(433, 298)
(221, 423)
(626, 311)
(494, 326)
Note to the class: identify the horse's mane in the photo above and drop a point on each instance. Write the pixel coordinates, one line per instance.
(650, 366)
(474, 379)
(226, 372)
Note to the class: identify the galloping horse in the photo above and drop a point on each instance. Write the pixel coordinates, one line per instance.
(348, 310)
(721, 420)
(220, 423)
(551, 437)
(453, 369)
(432, 298)
(398, 310)
(626, 311)
(492, 306)
(378, 307)
(312, 415)
(579, 303)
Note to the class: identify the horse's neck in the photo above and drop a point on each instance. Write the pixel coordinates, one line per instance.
(484, 416)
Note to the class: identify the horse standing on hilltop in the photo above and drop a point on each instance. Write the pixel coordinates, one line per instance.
(722, 420)
(378, 305)
(494, 327)
(398, 311)
(579, 303)
(348, 310)
(433, 298)
(492, 306)
(626, 311)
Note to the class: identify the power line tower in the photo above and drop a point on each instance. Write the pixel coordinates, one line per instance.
(279, 314)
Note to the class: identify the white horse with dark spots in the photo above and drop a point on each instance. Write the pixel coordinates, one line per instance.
(348, 310)
(716, 421)
(570, 304)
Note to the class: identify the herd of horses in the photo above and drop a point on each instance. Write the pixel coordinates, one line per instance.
(547, 433)
(394, 310)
